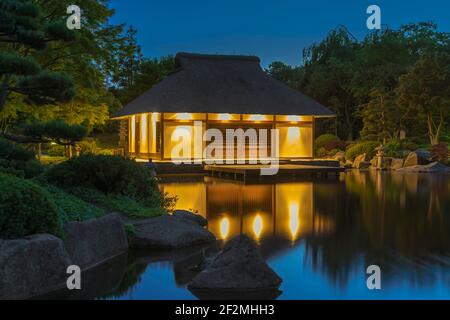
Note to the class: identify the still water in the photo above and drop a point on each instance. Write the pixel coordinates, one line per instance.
(319, 236)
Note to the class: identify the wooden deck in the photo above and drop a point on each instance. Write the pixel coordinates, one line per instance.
(246, 171)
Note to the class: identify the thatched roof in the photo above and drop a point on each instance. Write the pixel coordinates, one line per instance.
(222, 84)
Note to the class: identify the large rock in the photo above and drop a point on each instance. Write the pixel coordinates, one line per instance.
(95, 241)
(168, 232)
(396, 163)
(32, 266)
(434, 167)
(418, 157)
(191, 216)
(358, 160)
(239, 271)
(339, 156)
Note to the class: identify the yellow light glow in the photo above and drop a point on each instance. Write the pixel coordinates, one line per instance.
(224, 227)
(133, 134)
(184, 116)
(293, 134)
(143, 147)
(257, 117)
(293, 219)
(293, 118)
(153, 132)
(224, 116)
(257, 226)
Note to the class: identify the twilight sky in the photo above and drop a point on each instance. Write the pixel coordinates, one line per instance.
(270, 29)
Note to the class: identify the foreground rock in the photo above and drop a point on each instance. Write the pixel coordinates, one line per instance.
(32, 266)
(169, 232)
(238, 272)
(191, 216)
(418, 157)
(434, 167)
(94, 241)
(358, 160)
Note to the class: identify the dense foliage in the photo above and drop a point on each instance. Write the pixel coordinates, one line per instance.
(108, 174)
(367, 147)
(391, 84)
(26, 208)
(17, 160)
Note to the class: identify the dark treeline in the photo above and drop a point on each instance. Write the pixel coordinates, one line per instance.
(391, 81)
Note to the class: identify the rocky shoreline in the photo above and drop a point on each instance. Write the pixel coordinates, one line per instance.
(37, 265)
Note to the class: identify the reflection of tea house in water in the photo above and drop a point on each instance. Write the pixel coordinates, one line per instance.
(285, 210)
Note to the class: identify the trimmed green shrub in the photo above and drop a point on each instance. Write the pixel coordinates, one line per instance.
(117, 203)
(393, 149)
(110, 175)
(363, 147)
(72, 208)
(26, 208)
(323, 139)
(16, 160)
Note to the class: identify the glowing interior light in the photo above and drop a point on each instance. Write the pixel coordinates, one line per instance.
(184, 116)
(224, 227)
(153, 133)
(293, 219)
(257, 226)
(293, 134)
(257, 117)
(133, 134)
(144, 134)
(224, 116)
(293, 118)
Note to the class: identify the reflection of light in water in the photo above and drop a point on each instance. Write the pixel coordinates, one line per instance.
(293, 219)
(224, 227)
(224, 116)
(257, 225)
(184, 116)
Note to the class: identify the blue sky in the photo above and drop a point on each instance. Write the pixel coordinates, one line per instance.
(270, 29)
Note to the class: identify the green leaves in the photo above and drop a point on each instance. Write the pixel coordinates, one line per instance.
(46, 87)
(17, 65)
(55, 130)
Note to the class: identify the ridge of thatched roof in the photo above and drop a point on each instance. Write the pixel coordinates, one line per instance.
(206, 83)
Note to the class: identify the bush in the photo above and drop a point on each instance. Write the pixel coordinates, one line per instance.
(110, 175)
(323, 139)
(440, 152)
(335, 145)
(16, 160)
(56, 151)
(72, 208)
(117, 203)
(89, 146)
(25, 209)
(393, 149)
(360, 148)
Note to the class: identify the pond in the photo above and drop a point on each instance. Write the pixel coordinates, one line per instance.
(319, 236)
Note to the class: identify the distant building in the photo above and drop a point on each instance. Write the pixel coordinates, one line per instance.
(223, 92)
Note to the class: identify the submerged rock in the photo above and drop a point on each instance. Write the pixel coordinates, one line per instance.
(238, 272)
(418, 157)
(190, 216)
(32, 266)
(168, 232)
(434, 167)
(94, 241)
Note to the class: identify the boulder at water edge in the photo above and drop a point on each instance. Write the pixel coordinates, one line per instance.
(94, 241)
(418, 157)
(169, 232)
(32, 266)
(434, 167)
(191, 216)
(238, 272)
